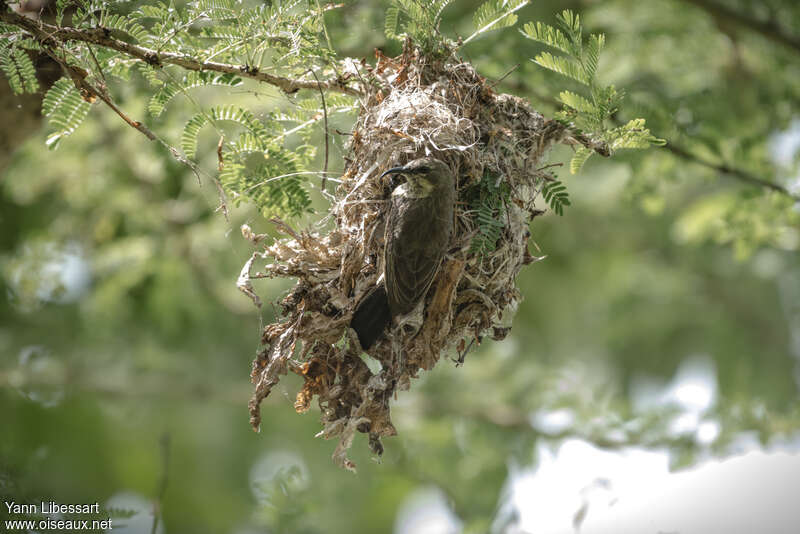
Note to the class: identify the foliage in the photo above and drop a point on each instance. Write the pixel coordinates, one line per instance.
(66, 110)
(16, 64)
(420, 21)
(661, 259)
(488, 204)
(556, 196)
(494, 15)
(285, 35)
(192, 80)
(579, 63)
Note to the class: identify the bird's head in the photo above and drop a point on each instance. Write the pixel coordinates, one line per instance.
(425, 173)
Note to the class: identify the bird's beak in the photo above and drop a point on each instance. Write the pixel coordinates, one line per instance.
(394, 170)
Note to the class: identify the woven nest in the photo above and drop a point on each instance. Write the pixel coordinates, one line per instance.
(416, 106)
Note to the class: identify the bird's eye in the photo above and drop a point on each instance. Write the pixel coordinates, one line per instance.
(423, 170)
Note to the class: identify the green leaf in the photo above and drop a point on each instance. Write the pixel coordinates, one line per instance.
(494, 15)
(126, 25)
(562, 65)
(217, 114)
(576, 102)
(18, 68)
(556, 196)
(546, 34)
(150, 74)
(190, 132)
(274, 185)
(581, 114)
(217, 9)
(192, 80)
(593, 48)
(571, 24)
(580, 157)
(390, 24)
(633, 134)
(65, 110)
(488, 203)
(419, 20)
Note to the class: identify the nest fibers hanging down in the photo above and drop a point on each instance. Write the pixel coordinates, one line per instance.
(415, 107)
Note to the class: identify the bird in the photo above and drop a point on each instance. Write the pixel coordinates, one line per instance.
(418, 230)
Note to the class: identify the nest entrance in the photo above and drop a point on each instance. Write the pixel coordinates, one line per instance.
(441, 108)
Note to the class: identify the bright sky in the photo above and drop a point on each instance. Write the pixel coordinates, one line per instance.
(577, 487)
(633, 492)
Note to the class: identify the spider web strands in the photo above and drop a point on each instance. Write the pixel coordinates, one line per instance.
(289, 175)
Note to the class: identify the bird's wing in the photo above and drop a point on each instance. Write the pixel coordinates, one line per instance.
(414, 252)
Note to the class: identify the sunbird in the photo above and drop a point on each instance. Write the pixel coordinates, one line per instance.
(417, 236)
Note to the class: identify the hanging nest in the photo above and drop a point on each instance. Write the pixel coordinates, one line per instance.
(415, 106)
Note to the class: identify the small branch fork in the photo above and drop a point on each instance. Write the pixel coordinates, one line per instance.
(54, 35)
(90, 93)
(572, 137)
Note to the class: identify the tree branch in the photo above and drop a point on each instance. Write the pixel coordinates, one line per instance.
(680, 152)
(733, 172)
(54, 35)
(90, 92)
(769, 29)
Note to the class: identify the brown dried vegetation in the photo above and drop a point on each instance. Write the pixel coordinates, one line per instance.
(413, 106)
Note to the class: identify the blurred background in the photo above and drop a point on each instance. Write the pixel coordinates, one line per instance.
(659, 337)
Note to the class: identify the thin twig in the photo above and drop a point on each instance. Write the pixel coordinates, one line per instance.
(177, 30)
(50, 34)
(462, 355)
(727, 170)
(768, 29)
(550, 165)
(504, 76)
(325, 115)
(220, 167)
(162, 483)
(600, 147)
(274, 178)
(320, 13)
(220, 159)
(492, 23)
(97, 64)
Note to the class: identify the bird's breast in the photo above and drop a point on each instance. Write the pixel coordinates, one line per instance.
(429, 219)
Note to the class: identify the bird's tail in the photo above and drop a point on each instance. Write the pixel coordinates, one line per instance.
(371, 317)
